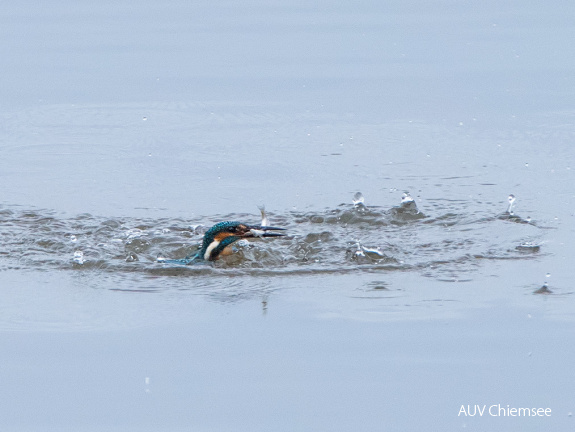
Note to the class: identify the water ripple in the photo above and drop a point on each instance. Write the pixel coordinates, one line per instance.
(444, 242)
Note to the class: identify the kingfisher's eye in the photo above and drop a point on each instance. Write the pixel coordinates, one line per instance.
(232, 229)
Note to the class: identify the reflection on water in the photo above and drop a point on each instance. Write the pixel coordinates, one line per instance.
(446, 242)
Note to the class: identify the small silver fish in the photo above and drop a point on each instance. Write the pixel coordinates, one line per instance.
(257, 232)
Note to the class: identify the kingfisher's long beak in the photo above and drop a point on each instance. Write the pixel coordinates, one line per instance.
(263, 231)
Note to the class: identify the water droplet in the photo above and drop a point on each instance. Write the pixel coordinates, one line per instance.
(135, 233)
(147, 382)
(264, 221)
(548, 275)
(526, 164)
(73, 238)
(358, 199)
(131, 257)
(144, 118)
(528, 247)
(406, 198)
(511, 200)
(365, 252)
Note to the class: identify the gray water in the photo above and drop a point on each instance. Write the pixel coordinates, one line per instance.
(127, 130)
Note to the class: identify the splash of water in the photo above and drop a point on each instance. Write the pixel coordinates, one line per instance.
(265, 221)
(407, 210)
(529, 247)
(406, 199)
(358, 201)
(78, 257)
(361, 253)
(544, 289)
(319, 241)
(511, 200)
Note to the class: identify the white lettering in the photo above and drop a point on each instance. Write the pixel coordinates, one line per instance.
(476, 409)
(497, 410)
(525, 412)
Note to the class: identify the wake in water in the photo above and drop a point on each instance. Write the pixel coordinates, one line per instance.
(440, 242)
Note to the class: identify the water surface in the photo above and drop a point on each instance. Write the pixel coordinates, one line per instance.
(126, 131)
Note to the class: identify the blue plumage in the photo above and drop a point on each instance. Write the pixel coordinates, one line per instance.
(222, 235)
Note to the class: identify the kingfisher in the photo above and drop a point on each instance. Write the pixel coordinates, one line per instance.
(218, 240)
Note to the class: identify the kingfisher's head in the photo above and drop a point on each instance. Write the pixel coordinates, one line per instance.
(223, 234)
